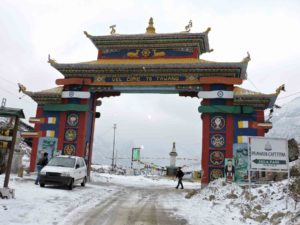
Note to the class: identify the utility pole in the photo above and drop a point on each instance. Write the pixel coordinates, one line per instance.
(113, 153)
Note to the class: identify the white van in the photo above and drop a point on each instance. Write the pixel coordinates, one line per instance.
(64, 170)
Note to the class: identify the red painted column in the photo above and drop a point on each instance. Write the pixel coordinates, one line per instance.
(82, 128)
(35, 141)
(205, 140)
(205, 147)
(229, 128)
(229, 136)
(92, 136)
(260, 118)
(61, 131)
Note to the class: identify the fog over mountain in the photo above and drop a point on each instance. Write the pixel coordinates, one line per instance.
(286, 121)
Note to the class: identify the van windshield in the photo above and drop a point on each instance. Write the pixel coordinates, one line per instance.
(63, 162)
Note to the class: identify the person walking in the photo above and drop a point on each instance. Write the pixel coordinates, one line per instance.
(41, 163)
(179, 175)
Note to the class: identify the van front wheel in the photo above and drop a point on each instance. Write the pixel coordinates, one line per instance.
(83, 182)
(71, 184)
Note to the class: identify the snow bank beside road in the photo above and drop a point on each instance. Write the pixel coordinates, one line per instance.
(140, 181)
(49, 205)
(229, 204)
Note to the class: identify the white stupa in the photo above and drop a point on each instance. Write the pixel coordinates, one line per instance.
(173, 155)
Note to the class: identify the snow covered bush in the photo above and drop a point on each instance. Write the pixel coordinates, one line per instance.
(294, 188)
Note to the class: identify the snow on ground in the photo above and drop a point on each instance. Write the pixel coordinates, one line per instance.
(221, 203)
(140, 181)
(50, 205)
(218, 203)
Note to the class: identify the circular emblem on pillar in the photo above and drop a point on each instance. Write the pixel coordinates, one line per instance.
(70, 135)
(217, 140)
(217, 122)
(216, 158)
(69, 149)
(72, 119)
(146, 53)
(220, 94)
(215, 174)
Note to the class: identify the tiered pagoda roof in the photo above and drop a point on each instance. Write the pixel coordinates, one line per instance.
(153, 55)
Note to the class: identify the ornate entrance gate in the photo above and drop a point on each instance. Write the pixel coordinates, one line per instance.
(150, 63)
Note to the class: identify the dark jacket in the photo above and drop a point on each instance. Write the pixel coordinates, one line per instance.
(179, 174)
(43, 161)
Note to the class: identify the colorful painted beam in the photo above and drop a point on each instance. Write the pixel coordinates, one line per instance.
(242, 139)
(226, 109)
(47, 120)
(69, 81)
(66, 107)
(215, 94)
(29, 134)
(220, 80)
(254, 124)
(76, 94)
(147, 83)
(45, 133)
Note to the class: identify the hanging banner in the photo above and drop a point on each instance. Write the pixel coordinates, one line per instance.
(269, 153)
(136, 154)
(75, 94)
(215, 94)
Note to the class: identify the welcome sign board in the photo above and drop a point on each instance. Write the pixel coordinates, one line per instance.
(268, 153)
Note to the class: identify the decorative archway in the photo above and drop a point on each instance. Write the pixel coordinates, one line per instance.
(150, 63)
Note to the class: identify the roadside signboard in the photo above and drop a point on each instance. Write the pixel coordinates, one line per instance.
(136, 153)
(268, 153)
(240, 152)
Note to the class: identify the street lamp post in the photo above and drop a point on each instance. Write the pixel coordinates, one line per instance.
(113, 153)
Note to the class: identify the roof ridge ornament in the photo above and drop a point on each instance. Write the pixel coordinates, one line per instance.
(189, 26)
(280, 88)
(247, 58)
(87, 34)
(207, 30)
(22, 88)
(113, 30)
(150, 29)
(51, 61)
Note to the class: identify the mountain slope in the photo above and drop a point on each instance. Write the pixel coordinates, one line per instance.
(286, 121)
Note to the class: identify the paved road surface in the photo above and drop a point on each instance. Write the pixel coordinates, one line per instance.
(132, 206)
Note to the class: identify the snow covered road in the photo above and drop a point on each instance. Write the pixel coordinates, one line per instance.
(138, 200)
(132, 206)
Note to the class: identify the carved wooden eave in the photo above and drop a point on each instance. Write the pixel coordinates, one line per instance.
(188, 66)
(52, 95)
(256, 99)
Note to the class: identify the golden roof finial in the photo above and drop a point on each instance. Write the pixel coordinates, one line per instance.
(150, 29)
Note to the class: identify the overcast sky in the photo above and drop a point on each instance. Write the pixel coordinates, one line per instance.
(31, 29)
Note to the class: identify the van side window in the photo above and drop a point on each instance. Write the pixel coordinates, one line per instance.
(81, 163)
